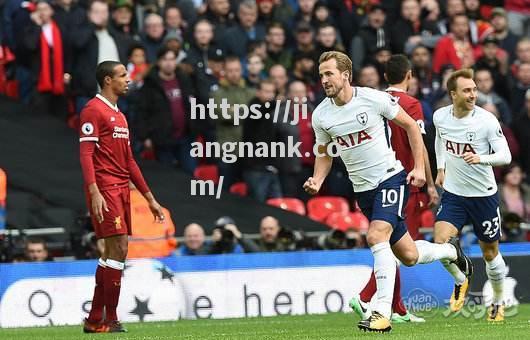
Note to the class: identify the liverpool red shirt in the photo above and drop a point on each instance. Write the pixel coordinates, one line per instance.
(400, 140)
(104, 124)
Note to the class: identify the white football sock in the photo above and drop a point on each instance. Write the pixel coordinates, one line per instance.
(385, 275)
(429, 252)
(496, 271)
(454, 271)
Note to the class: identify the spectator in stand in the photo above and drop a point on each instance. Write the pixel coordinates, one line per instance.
(174, 22)
(321, 15)
(93, 42)
(278, 74)
(521, 129)
(237, 38)
(454, 48)
(266, 13)
(507, 39)
(414, 91)
(67, 13)
(305, 71)
(519, 88)
(262, 173)
(518, 16)
(255, 70)
(269, 228)
(478, 27)
(234, 90)
(277, 51)
(411, 30)
(487, 95)
(36, 250)
(220, 16)
(372, 35)
(153, 35)
(194, 241)
(327, 39)
(295, 170)
(514, 194)
(40, 44)
(163, 113)
(304, 40)
(348, 15)
(122, 18)
(369, 77)
(304, 12)
(522, 52)
(137, 66)
(495, 60)
(452, 8)
(421, 68)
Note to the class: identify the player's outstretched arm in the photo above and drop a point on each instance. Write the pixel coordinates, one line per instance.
(417, 175)
(323, 162)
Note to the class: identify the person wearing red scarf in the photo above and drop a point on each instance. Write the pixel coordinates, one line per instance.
(43, 42)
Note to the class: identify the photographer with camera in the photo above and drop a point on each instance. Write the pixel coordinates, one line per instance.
(227, 239)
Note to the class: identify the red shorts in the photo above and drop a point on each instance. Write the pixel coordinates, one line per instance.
(116, 221)
(416, 204)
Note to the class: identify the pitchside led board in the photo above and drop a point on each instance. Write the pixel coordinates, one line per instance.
(231, 286)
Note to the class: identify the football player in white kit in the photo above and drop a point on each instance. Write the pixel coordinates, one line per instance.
(356, 118)
(469, 142)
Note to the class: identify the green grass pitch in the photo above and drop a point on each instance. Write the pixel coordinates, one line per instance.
(329, 326)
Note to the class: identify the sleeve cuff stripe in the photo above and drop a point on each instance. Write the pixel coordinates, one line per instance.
(88, 139)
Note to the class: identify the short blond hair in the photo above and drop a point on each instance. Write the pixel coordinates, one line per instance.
(343, 61)
(466, 73)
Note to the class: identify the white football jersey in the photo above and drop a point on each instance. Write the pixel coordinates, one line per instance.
(360, 128)
(479, 132)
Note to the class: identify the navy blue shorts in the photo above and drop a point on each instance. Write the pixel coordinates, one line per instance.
(387, 203)
(482, 212)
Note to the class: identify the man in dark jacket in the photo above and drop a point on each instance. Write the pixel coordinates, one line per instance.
(93, 42)
(261, 173)
(162, 112)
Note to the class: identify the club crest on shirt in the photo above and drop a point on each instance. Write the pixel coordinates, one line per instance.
(117, 222)
(470, 136)
(362, 118)
(87, 128)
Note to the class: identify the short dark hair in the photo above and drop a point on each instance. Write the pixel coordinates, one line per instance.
(36, 240)
(105, 69)
(275, 24)
(162, 51)
(266, 82)
(135, 46)
(466, 73)
(396, 68)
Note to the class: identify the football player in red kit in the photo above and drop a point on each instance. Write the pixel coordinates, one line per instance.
(108, 165)
(398, 72)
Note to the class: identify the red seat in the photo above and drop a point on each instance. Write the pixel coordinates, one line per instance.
(239, 188)
(291, 204)
(354, 220)
(207, 172)
(318, 208)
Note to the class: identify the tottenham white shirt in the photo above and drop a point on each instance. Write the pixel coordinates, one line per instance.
(479, 132)
(360, 127)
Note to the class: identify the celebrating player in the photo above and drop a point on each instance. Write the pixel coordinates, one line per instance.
(356, 118)
(108, 165)
(398, 72)
(466, 135)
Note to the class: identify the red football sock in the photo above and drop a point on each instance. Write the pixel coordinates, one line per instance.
(113, 274)
(96, 311)
(397, 302)
(369, 289)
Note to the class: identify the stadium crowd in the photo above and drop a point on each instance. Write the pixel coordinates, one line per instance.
(180, 53)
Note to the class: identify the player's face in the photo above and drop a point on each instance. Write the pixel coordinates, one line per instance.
(331, 78)
(120, 80)
(465, 95)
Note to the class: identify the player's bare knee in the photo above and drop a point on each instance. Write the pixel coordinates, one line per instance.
(409, 258)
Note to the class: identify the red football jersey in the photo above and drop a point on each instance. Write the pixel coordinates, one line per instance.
(103, 123)
(400, 140)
